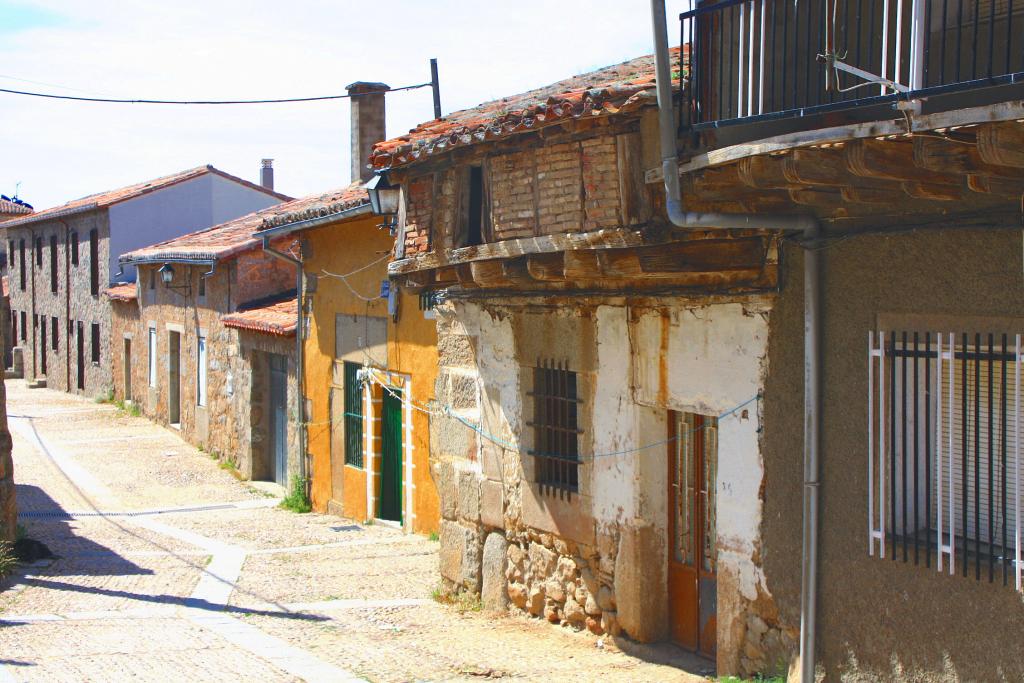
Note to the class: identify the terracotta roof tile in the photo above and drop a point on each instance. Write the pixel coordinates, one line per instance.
(607, 91)
(326, 204)
(105, 199)
(236, 236)
(276, 315)
(122, 292)
(7, 207)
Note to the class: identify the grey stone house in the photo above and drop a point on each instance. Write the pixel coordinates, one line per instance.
(62, 258)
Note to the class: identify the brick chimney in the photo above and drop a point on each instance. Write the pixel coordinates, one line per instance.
(267, 173)
(367, 124)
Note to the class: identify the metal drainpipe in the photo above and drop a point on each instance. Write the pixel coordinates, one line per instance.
(299, 364)
(811, 229)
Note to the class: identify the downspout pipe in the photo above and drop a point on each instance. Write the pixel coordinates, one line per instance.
(809, 226)
(300, 414)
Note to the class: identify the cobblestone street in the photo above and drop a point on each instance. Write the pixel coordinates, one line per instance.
(169, 568)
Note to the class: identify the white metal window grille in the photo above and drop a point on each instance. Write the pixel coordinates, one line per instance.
(201, 371)
(944, 457)
(152, 357)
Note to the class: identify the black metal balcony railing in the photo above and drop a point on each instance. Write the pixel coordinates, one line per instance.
(753, 59)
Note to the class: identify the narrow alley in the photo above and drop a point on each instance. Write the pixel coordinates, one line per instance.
(187, 573)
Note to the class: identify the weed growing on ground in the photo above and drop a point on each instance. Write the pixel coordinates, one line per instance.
(758, 678)
(128, 408)
(7, 558)
(105, 398)
(297, 500)
(462, 602)
(434, 536)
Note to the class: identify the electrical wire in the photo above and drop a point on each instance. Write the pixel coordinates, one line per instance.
(112, 100)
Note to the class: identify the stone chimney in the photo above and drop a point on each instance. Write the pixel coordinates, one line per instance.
(267, 173)
(367, 124)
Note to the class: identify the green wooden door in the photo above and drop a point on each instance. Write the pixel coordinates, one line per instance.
(391, 458)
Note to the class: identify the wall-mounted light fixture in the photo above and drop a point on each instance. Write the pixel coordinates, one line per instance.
(166, 274)
(384, 198)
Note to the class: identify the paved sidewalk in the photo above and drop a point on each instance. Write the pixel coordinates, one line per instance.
(169, 568)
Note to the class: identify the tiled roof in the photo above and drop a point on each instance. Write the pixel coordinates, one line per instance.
(319, 206)
(236, 236)
(13, 208)
(122, 292)
(273, 315)
(105, 199)
(607, 91)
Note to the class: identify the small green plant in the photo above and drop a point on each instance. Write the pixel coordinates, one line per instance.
(434, 536)
(462, 602)
(105, 398)
(297, 500)
(201, 448)
(7, 558)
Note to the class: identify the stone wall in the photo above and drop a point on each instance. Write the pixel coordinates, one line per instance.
(72, 303)
(232, 424)
(8, 495)
(596, 559)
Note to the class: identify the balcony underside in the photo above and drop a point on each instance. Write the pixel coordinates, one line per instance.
(613, 261)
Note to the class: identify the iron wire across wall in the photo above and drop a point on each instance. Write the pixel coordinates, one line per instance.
(944, 461)
(753, 59)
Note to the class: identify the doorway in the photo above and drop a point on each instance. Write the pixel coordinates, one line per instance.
(80, 338)
(42, 344)
(127, 369)
(279, 416)
(174, 378)
(391, 457)
(692, 543)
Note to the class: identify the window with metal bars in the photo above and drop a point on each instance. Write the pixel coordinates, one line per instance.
(944, 455)
(353, 416)
(555, 427)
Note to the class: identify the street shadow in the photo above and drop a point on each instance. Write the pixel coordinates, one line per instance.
(46, 521)
(166, 599)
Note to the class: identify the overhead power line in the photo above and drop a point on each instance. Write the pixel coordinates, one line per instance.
(111, 100)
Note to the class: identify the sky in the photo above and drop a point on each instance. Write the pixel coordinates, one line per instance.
(254, 49)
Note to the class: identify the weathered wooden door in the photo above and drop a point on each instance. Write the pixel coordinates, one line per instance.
(174, 378)
(391, 457)
(279, 416)
(692, 543)
(127, 369)
(42, 343)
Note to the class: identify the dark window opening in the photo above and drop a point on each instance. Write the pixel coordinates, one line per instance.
(21, 267)
(53, 264)
(353, 416)
(74, 248)
(54, 332)
(42, 345)
(202, 286)
(96, 343)
(23, 326)
(555, 428)
(94, 262)
(152, 278)
(14, 326)
(39, 252)
(475, 219)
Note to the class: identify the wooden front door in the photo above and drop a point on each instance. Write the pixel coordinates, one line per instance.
(279, 416)
(174, 378)
(127, 369)
(391, 457)
(692, 542)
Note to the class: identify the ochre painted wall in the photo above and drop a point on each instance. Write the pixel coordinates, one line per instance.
(342, 248)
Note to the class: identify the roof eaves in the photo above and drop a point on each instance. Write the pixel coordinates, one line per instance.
(51, 215)
(275, 229)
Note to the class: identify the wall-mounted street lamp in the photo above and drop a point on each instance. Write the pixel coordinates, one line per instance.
(384, 199)
(166, 274)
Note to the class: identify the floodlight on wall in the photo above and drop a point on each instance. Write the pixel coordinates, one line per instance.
(384, 199)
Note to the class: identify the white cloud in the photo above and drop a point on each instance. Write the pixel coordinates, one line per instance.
(215, 49)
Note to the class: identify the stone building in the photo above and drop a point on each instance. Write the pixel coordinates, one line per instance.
(370, 358)
(63, 258)
(888, 161)
(9, 210)
(204, 342)
(599, 371)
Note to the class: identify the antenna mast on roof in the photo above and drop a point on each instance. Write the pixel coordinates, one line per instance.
(436, 87)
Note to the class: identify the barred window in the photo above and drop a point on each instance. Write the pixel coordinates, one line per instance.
(353, 416)
(944, 456)
(555, 427)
